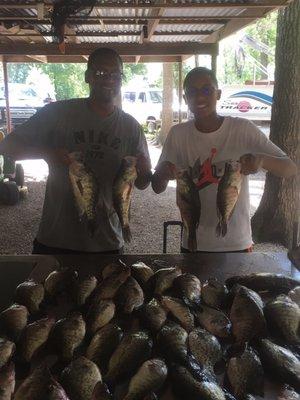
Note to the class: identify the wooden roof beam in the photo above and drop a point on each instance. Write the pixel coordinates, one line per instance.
(157, 5)
(128, 49)
(73, 34)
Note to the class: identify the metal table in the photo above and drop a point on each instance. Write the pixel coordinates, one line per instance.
(15, 269)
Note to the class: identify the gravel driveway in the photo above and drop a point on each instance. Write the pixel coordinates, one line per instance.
(19, 223)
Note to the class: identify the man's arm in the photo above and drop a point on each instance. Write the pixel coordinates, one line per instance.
(280, 166)
(14, 147)
(164, 173)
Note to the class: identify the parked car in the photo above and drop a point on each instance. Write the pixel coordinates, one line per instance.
(24, 101)
(145, 104)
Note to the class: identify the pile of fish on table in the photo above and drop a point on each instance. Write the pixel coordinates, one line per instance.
(134, 334)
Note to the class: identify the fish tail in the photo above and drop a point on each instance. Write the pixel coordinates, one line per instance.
(221, 228)
(192, 241)
(127, 234)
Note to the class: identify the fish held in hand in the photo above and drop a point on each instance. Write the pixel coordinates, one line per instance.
(227, 196)
(85, 190)
(122, 191)
(188, 202)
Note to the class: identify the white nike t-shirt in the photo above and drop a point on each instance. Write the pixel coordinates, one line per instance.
(207, 154)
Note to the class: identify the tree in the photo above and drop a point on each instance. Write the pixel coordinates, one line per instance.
(18, 72)
(279, 207)
(264, 31)
(133, 69)
(68, 79)
(167, 109)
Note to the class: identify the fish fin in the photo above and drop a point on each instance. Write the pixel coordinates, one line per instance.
(221, 229)
(126, 234)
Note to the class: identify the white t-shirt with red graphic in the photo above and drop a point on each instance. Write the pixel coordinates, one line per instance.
(207, 154)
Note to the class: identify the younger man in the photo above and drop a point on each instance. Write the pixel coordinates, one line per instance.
(205, 144)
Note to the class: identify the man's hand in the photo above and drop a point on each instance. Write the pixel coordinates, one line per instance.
(251, 164)
(165, 172)
(143, 165)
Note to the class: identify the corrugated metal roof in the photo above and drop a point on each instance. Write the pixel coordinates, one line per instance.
(202, 12)
(110, 39)
(178, 38)
(187, 27)
(97, 23)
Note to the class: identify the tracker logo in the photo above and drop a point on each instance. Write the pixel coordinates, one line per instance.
(244, 106)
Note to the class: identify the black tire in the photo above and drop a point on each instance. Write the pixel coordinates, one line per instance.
(9, 193)
(19, 175)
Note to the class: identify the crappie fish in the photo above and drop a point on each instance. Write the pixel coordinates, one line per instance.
(247, 316)
(130, 295)
(295, 295)
(103, 344)
(179, 310)
(214, 321)
(99, 314)
(122, 191)
(280, 362)
(188, 287)
(172, 341)
(214, 293)
(101, 392)
(150, 377)
(141, 272)
(245, 374)
(111, 284)
(80, 378)
(40, 385)
(68, 334)
(55, 392)
(283, 317)
(30, 294)
(13, 320)
(59, 281)
(264, 281)
(188, 387)
(34, 336)
(85, 190)
(154, 315)
(227, 196)
(35, 386)
(7, 349)
(188, 202)
(7, 382)
(83, 288)
(205, 347)
(110, 269)
(133, 350)
(163, 279)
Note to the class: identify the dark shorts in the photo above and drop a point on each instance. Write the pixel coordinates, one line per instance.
(39, 248)
(249, 250)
